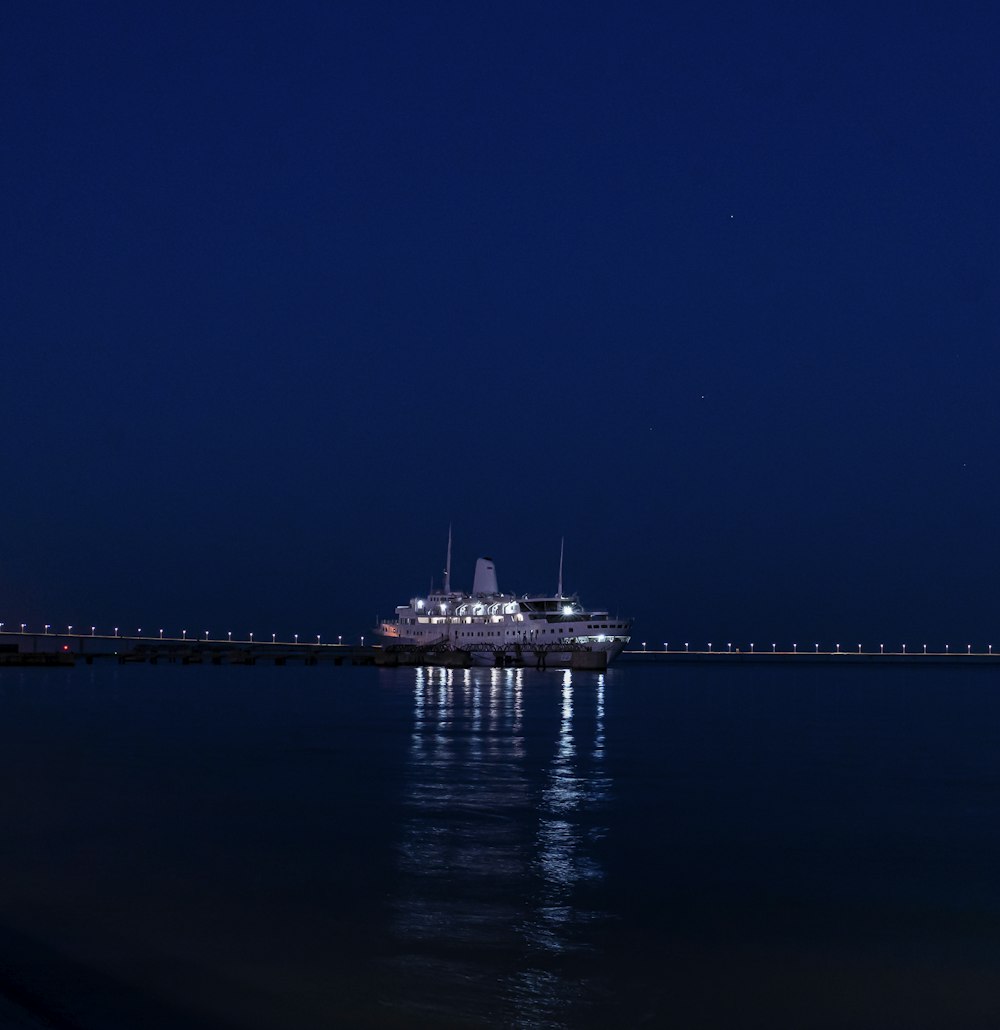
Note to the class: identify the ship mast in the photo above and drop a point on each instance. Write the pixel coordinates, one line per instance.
(562, 541)
(447, 565)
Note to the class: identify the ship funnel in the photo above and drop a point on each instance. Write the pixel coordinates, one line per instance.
(486, 577)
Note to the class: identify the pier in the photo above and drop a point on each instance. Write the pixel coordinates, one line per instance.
(814, 656)
(66, 649)
(46, 648)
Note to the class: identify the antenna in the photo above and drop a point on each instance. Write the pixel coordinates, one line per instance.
(562, 541)
(447, 565)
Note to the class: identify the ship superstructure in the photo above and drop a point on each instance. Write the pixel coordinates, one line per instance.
(500, 628)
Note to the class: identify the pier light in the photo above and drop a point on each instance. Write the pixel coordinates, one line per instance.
(24, 626)
(859, 649)
(340, 639)
(665, 647)
(251, 637)
(969, 650)
(1, 627)
(751, 647)
(161, 634)
(362, 641)
(947, 648)
(206, 636)
(644, 645)
(774, 647)
(685, 645)
(729, 646)
(138, 632)
(925, 649)
(904, 648)
(273, 635)
(48, 626)
(116, 631)
(881, 648)
(69, 630)
(709, 647)
(296, 637)
(817, 649)
(838, 649)
(989, 647)
(317, 638)
(92, 630)
(795, 648)
(230, 636)
(184, 634)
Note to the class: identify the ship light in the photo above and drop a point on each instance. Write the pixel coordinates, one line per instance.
(567, 609)
(420, 604)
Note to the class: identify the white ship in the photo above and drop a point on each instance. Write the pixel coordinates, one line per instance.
(506, 629)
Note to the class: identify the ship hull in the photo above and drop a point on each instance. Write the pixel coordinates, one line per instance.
(554, 655)
(550, 657)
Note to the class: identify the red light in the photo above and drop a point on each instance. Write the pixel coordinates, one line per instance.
(65, 647)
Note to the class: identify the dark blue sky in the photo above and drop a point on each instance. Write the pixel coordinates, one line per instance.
(710, 290)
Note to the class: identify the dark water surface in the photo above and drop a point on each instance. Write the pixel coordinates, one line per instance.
(678, 846)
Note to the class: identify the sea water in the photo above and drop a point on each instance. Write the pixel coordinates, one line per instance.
(692, 846)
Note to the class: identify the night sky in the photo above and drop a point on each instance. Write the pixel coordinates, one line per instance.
(711, 291)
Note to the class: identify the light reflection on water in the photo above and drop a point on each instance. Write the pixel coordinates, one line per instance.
(261, 848)
(497, 841)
